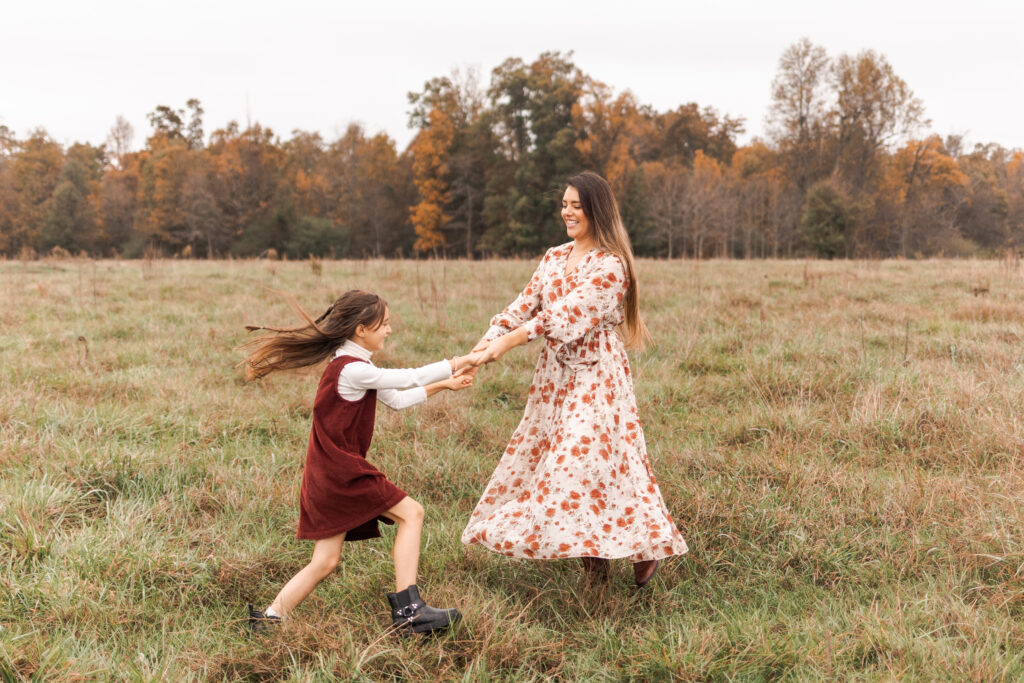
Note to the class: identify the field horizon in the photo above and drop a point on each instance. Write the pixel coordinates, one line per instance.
(838, 441)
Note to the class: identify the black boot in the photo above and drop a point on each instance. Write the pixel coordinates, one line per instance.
(410, 611)
(261, 623)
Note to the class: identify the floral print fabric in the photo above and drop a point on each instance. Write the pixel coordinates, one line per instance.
(574, 480)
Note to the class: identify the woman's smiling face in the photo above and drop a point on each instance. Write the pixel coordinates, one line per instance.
(576, 223)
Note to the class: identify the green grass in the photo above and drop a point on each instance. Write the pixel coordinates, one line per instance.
(839, 442)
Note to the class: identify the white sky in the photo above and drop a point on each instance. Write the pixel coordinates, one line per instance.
(73, 67)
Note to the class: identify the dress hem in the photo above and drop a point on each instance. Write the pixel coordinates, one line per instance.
(568, 556)
(318, 535)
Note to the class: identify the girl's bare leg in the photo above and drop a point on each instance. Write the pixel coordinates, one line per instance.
(408, 515)
(326, 553)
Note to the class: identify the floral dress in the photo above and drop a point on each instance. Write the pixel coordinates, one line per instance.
(574, 480)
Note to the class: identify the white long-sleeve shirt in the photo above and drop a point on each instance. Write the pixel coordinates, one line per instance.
(356, 378)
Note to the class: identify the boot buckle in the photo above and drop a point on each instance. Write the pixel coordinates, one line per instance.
(408, 611)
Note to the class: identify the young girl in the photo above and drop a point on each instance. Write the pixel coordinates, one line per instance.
(343, 496)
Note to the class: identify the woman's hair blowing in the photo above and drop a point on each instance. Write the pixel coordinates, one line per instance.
(601, 209)
(289, 348)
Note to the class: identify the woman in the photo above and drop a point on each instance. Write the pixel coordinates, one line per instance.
(574, 480)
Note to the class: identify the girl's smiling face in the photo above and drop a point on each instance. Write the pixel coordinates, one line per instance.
(373, 340)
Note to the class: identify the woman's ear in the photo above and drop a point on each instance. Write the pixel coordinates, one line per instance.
(360, 331)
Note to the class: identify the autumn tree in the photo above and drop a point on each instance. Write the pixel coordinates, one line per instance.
(701, 203)
(874, 108)
(306, 174)
(984, 216)
(72, 220)
(117, 206)
(469, 155)
(35, 171)
(531, 119)
(171, 123)
(798, 115)
(666, 189)
(370, 205)
(206, 228)
(309, 198)
(611, 139)
(1014, 184)
(119, 141)
(8, 194)
(162, 175)
(246, 168)
(678, 134)
(429, 151)
(925, 186)
(766, 201)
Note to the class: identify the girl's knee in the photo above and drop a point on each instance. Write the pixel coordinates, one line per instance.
(412, 512)
(325, 564)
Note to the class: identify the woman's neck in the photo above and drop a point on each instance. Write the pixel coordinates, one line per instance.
(583, 245)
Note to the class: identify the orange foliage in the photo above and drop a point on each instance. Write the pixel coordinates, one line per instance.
(921, 166)
(1015, 168)
(430, 168)
(609, 134)
(706, 169)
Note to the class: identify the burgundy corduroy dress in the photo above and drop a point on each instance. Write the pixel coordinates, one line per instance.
(341, 491)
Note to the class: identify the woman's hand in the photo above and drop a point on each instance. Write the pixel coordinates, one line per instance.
(494, 350)
(468, 364)
(487, 352)
(502, 345)
(471, 370)
(482, 353)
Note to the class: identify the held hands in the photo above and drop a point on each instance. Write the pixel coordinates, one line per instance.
(482, 353)
(463, 371)
(471, 370)
(458, 382)
(486, 352)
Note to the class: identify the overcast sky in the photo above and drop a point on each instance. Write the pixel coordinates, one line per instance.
(73, 67)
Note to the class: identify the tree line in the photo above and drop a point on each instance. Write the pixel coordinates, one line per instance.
(846, 170)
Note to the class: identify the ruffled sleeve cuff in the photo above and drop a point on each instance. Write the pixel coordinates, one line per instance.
(493, 332)
(534, 328)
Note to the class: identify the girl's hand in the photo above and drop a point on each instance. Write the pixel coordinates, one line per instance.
(459, 382)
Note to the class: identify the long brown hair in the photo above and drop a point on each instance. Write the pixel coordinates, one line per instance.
(288, 348)
(601, 209)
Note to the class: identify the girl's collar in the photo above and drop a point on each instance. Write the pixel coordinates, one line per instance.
(350, 348)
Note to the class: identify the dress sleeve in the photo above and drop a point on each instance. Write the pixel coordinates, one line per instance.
(523, 308)
(593, 299)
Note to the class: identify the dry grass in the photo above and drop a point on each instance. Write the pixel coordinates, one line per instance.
(839, 441)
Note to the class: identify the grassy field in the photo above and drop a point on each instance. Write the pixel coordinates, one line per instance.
(840, 443)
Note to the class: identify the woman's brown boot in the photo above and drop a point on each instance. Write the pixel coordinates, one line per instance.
(644, 570)
(596, 567)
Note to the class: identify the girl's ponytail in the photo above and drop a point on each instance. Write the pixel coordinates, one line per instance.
(289, 348)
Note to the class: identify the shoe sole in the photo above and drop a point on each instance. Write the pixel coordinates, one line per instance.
(426, 627)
